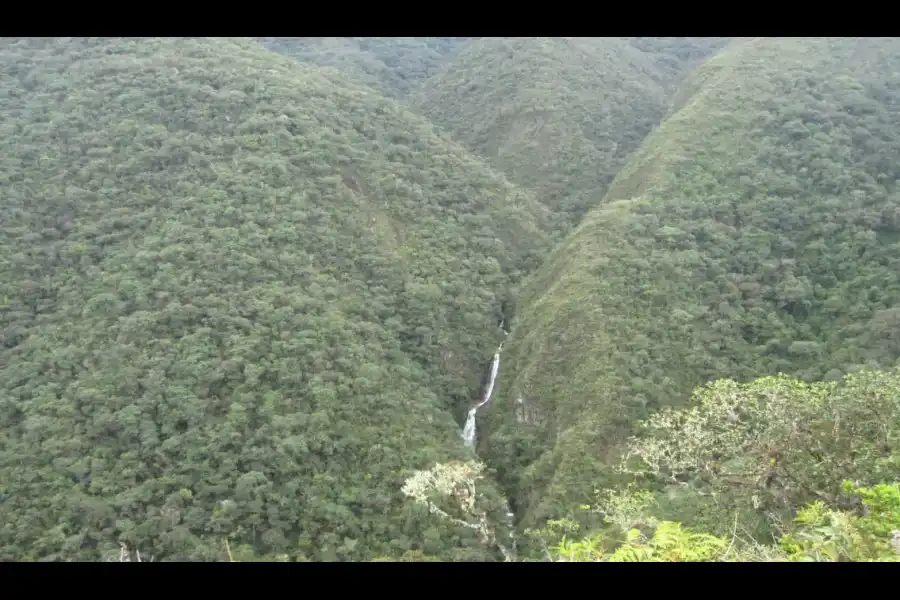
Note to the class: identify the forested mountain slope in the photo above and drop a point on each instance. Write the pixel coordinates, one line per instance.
(394, 66)
(673, 57)
(557, 115)
(239, 294)
(755, 232)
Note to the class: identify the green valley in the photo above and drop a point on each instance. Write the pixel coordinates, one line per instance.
(558, 115)
(450, 299)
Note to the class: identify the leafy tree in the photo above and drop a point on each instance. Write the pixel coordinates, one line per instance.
(818, 534)
(773, 445)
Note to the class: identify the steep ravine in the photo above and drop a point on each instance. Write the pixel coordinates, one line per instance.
(469, 434)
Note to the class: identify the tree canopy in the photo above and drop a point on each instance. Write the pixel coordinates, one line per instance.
(250, 289)
(395, 66)
(241, 298)
(753, 233)
(557, 115)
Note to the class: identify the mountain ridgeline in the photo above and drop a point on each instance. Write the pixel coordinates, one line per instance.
(253, 288)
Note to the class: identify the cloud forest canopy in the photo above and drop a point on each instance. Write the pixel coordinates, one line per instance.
(754, 232)
(240, 295)
(250, 288)
(558, 115)
(393, 66)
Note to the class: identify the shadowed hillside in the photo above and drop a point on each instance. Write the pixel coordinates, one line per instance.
(557, 115)
(239, 296)
(754, 232)
(393, 66)
(675, 56)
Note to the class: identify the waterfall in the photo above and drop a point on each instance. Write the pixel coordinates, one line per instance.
(468, 436)
(468, 433)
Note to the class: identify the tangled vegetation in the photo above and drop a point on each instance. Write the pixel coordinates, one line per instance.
(395, 67)
(557, 115)
(755, 232)
(772, 470)
(761, 450)
(817, 534)
(247, 296)
(241, 296)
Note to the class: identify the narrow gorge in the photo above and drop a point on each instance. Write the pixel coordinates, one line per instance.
(469, 432)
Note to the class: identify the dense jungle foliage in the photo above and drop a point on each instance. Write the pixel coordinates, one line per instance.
(557, 115)
(249, 289)
(755, 232)
(393, 66)
(241, 296)
(674, 56)
(777, 469)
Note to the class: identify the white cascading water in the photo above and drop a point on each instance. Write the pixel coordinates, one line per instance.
(468, 433)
